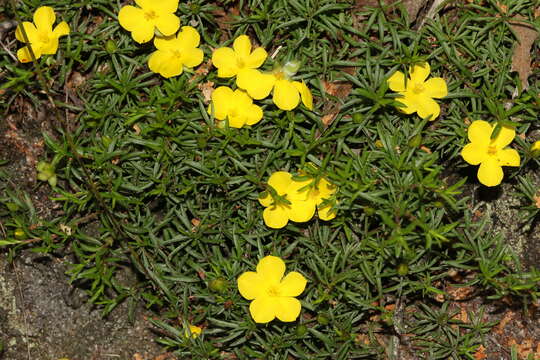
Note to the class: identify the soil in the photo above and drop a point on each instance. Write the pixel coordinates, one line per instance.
(41, 315)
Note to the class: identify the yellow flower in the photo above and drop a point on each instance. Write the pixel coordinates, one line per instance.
(287, 94)
(417, 93)
(195, 331)
(236, 106)
(273, 295)
(317, 193)
(289, 206)
(42, 37)
(230, 62)
(175, 52)
(491, 154)
(143, 21)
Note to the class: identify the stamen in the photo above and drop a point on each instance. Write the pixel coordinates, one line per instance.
(418, 88)
(150, 15)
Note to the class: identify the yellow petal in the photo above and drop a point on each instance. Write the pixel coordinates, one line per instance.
(419, 73)
(257, 84)
(263, 309)
(299, 190)
(44, 18)
(275, 217)
(508, 157)
(164, 6)
(293, 284)
(326, 189)
(237, 121)
(256, 58)
(253, 114)
(242, 46)
(143, 33)
(192, 57)
(409, 103)
(30, 30)
(166, 43)
(61, 29)
(490, 173)
(266, 200)
(189, 37)
(168, 24)
(326, 213)
(479, 132)
(286, 96)
(305, 94)
(145, 4)
(287, 309)
(301, 211)
(50, 47)
(428, 107)
(396, 82)
(436, 88)
(225, 60)
(505, 137)
(474, 154)
(251, 285)
(24, 56)
(271, 269)
(280, 181)
(163, 63)
(130, 17)
(221, 100)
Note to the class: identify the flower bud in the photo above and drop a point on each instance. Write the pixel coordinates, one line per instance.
(110, 46)
(218, 285)
(19, 234)
(415, 141)
(323, 319)
(12, 206)
(301, 330)
(403, 269)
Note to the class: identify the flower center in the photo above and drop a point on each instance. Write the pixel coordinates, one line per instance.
(273, 291)
(279, 75)
(43, 37)
(492, 150)
(240, 63)
(418, 88)
(150, 15)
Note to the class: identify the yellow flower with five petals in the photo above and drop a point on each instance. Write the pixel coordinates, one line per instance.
(231, 61)
(417, 93)
(286, 93)
(175, 52)
(490, 154)
(236, 106)
(151, 15)
(318, 193)
(273, 294)
(287, 204)
(43, 39)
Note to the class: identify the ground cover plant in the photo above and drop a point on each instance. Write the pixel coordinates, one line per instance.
(288, 179)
